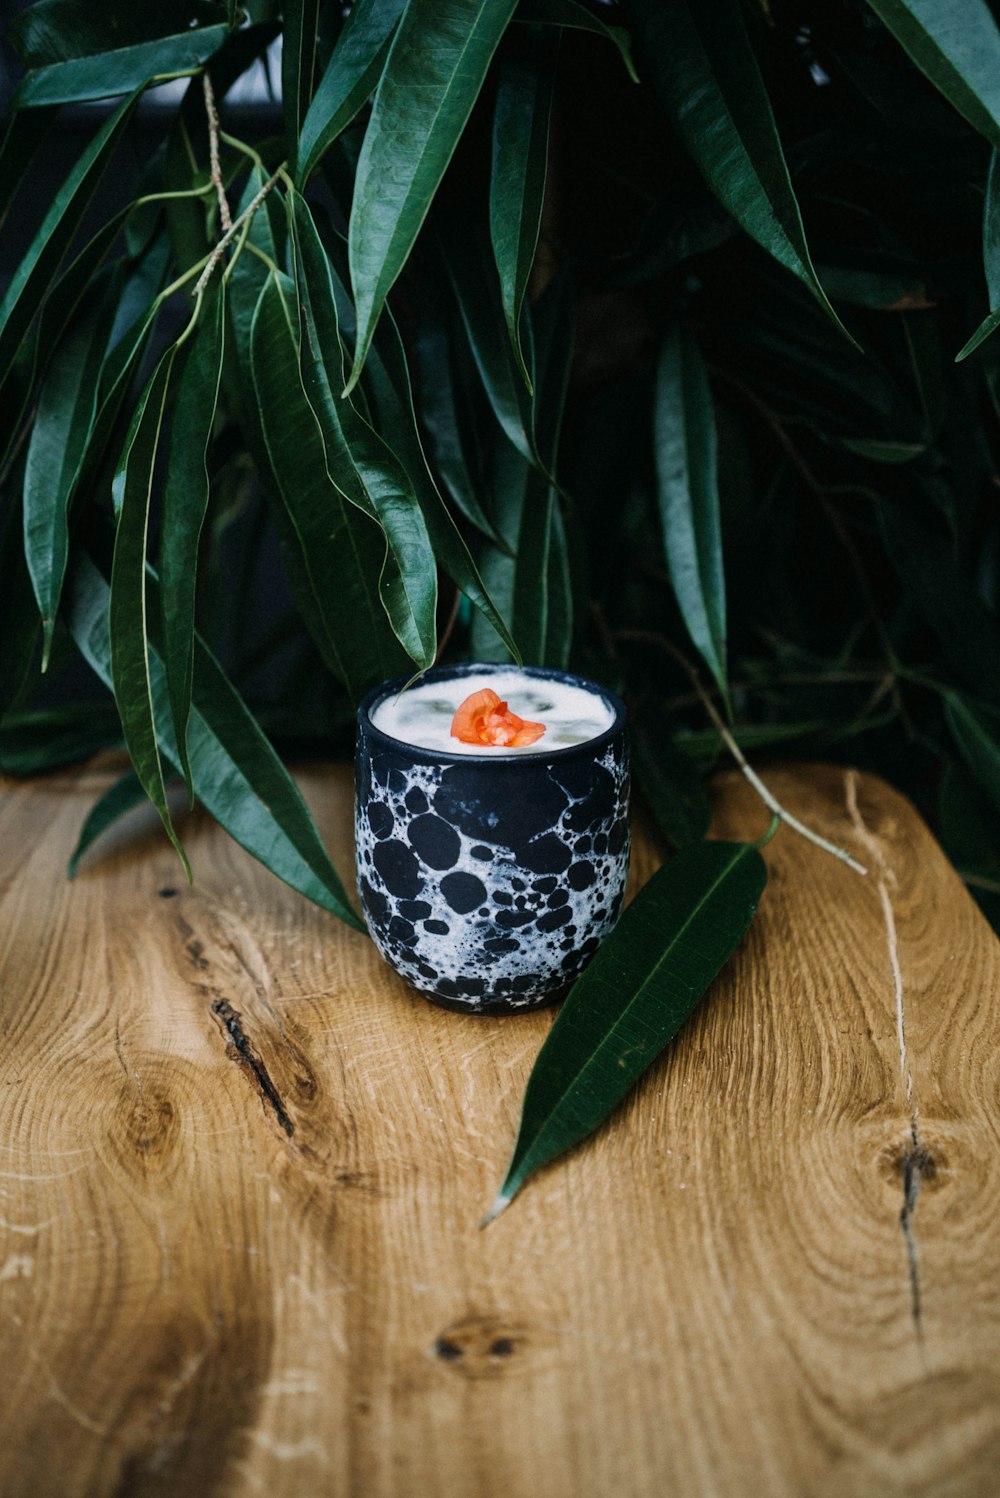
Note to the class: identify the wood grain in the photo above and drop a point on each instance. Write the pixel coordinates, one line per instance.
(241, 1170)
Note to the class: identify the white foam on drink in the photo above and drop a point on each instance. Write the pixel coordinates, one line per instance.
(422, 715)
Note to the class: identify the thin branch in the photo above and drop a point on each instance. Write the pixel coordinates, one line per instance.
(450, 622)
(765, 795)
(220, 248)
(225, 217)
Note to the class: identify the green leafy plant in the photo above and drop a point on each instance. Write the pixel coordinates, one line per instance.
(615, 335)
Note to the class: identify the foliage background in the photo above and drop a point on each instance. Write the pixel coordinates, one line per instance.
(746, 439)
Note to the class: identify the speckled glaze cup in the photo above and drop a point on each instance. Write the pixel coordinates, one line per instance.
(489, 881)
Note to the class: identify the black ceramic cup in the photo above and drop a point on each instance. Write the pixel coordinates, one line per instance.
(489, 881)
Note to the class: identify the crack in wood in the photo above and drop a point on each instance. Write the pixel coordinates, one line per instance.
(917, 1163)
(243, 1051)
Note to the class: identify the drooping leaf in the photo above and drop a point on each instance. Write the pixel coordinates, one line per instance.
(49, 31)
(687, 492)
(64, 417)
(575, 17)
(359, 463)
(433, 73)
(349, 80)
(991, 259)
(542, 602)
(298, 63)
(126, 793)
(957, 45)
(38, 740)
(975, 728)
(19, 615)
(924, 558)
(340, 550)
(517, 181)
(452, 449)
(237, 776)
(22, 139)
(118, 72)
(388, 380)
(130, 651)
(705, 70)
(633, 998)
(37, 267)
(185, 503)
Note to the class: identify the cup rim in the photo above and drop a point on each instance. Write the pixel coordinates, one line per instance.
(424, 755)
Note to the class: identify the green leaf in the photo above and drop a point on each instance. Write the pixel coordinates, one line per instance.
(57, 30)
(969, 633)
(976, 730)
(688, 496)
(19, 615)
(237, 776)
(118, 72)
(633, 998)
(349, 80)
(44, 739)
(118, 799)
(569, 14)
(185, 504)
(471, 270)
(704, 69)
(878, 451)
(452, 449)
(991, 258)
(957, 44)
(669, 780)
(389, 378)
(338, 550)
(517, 181)
(298, 63)
(360, 465)
(435, 68)
(40, 262)
(22, 138)
(64, 418)
(130, 656)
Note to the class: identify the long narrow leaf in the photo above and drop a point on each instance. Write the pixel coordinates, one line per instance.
(130, 663)
(358, 461)
(517, 180)
(575, 17)
(958, 47)
(39, 264)
(120, 71)
(685, 451)
(64, 418)
(349, 80)
(634, 997)
(705, 71)
(298, 62)
(237, 776)
(433, 74)
(19, 615)
(340, 551)
(185, 503)
(119, 798)
(991, 258)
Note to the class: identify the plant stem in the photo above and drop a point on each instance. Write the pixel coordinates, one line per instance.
(244, 217)
(225, 217)
(765, 795)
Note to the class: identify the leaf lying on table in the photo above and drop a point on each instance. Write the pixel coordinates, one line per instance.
(633, 998)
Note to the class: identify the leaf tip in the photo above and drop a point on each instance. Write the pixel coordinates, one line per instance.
(500, 1204)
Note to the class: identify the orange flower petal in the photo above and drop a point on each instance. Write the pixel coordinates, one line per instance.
(484, 719)
(470, 719)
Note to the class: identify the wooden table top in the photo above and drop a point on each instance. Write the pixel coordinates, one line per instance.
(242, 1168)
